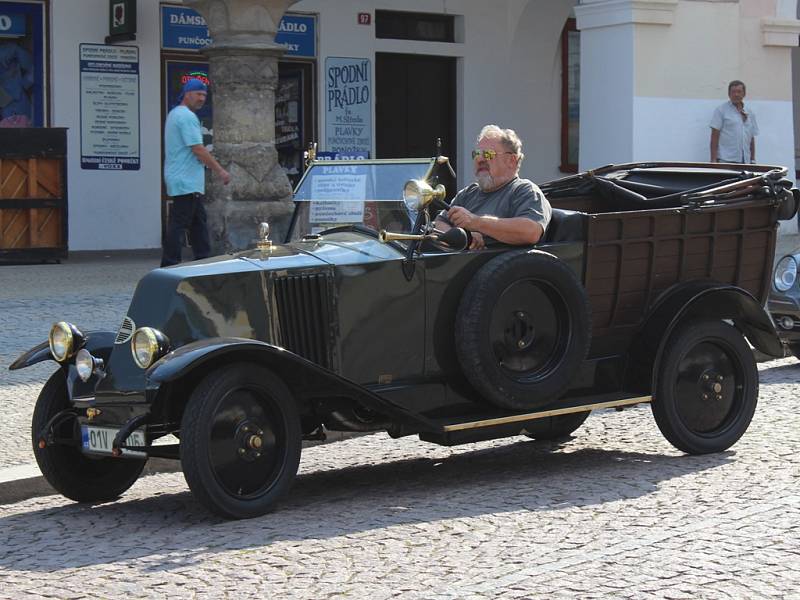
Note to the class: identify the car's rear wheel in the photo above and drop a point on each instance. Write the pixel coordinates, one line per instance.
(522, 329)
(75, 475)
(556, 428)
(707, 387)
(240, 441)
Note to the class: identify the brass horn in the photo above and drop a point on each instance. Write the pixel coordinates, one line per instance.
(388, 236)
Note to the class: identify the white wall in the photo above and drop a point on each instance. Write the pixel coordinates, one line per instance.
(677, 129)
(108, 210)
(607, 85)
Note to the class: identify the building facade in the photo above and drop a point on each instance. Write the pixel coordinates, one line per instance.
(584, 85)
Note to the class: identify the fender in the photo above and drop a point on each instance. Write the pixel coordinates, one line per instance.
(298, 372)
(99, 343)
(698, 299)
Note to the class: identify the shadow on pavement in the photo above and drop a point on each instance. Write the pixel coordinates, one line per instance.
(170, 530)
(786, 373)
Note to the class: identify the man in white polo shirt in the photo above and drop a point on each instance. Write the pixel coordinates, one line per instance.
(185, 157)
(733, 128)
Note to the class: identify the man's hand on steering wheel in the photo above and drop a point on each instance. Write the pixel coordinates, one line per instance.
(477, 242)
(461, 217)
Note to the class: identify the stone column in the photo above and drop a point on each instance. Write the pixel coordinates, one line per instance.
(243, 69)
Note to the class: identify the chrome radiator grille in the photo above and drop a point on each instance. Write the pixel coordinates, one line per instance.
(303, 303)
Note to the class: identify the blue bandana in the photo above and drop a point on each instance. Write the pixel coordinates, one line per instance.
(193, 85)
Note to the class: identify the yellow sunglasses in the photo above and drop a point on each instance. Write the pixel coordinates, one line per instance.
(487, 154)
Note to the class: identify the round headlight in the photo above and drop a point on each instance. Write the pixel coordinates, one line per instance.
(785, 274)
(411, 195)
(148, 345)
(64, 339)
(84, 364)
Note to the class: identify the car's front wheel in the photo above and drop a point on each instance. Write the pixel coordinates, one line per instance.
(75, 475)
(240, 441)
(707, 387)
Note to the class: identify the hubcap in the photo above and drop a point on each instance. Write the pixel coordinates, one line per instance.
(529, 330)
(708, 387)
(247, 442)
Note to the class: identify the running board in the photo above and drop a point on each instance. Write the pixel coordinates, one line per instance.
(546, 413)
(491, 427)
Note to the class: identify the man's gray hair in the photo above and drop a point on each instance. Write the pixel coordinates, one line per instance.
(508, 137)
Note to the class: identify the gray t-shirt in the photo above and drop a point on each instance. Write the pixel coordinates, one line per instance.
(517, 198)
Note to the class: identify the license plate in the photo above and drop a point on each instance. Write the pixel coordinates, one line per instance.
(100, 439)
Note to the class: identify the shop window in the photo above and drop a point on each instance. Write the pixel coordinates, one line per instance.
(570, 96)
(425, 27)
(22, 64)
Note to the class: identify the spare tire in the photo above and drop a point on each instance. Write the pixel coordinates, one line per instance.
(522, 329)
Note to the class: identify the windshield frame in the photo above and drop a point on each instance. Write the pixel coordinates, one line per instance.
(430, 161)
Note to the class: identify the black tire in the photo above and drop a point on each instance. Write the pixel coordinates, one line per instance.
(707, 387)
(794, 349)
(226, 472)
(75, 475)
(556, 428)
(522, 329)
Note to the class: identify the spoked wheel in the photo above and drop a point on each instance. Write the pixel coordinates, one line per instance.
(240, 441)
(707, 387)
(75, 475)
(522, 329)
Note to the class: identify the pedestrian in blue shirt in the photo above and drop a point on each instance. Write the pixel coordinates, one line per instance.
(184, 175)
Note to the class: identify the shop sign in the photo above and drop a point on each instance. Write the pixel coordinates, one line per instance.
(348, 105)
(109, 98)
(341, 156)
(297, 34)
(121, 18)
(185, 29)
(12, 25)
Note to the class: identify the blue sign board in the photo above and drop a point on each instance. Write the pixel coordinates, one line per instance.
(342, 155)
(185, 29)
(297, 34)
(12, 25)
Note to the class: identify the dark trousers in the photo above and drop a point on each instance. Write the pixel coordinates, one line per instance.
(188, 213)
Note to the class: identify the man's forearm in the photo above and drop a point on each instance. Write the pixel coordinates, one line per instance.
(714, 145)
(204, 156)
(516, 230)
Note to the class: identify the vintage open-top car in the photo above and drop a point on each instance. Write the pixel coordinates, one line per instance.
(644, 288)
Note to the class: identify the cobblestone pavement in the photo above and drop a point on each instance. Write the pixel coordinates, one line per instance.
(615, 512)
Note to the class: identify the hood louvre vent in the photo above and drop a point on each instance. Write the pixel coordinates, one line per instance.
(304, 316)
(125, 331)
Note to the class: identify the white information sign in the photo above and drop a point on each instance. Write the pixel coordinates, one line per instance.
(109, 81)
(328, 192)
(348, 105)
